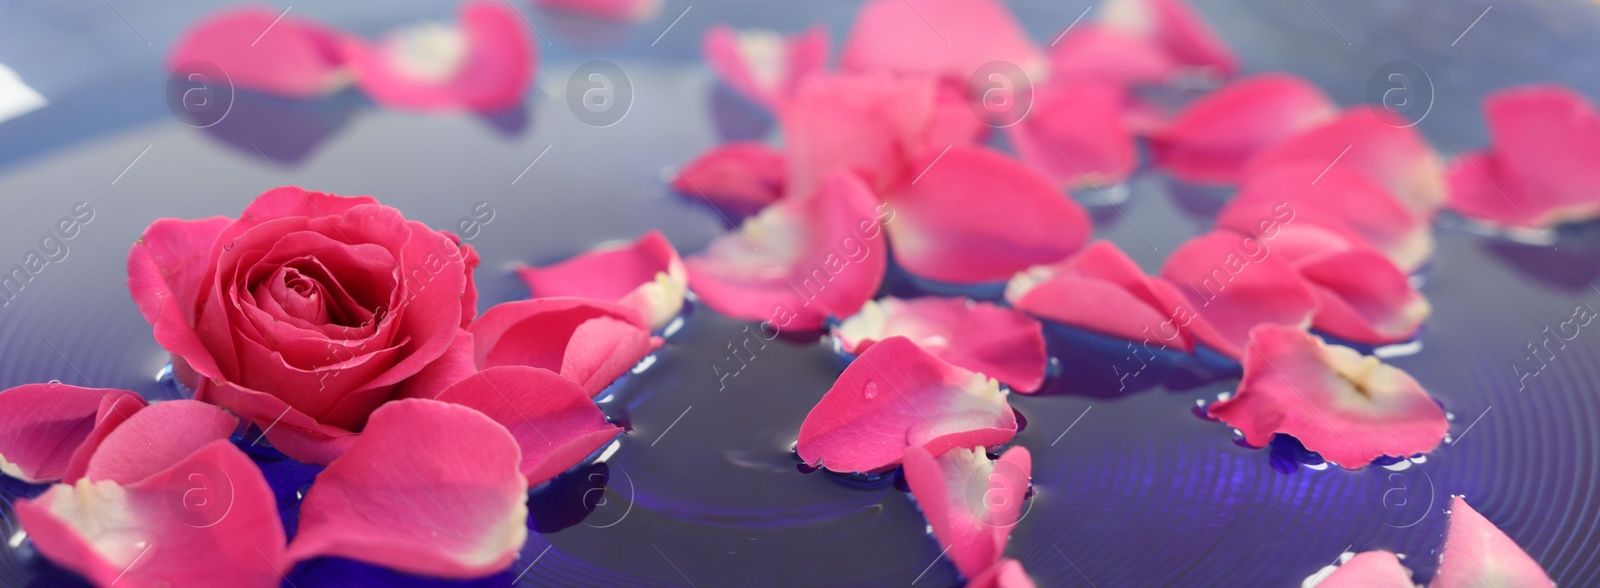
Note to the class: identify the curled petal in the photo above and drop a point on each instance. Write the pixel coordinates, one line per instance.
(168, 273)
(49, 431)
(552, 418)
(591, 342)
(289, 430)
(299, 59)
(764, 65)
(999, 342)
(1375, 144)
(799, 261)
(1544, 139)
(157, 437)
(1226, 284)
(482, 64)
(1174, 27)
(1363, 297)
(148, 533)
(1477, 553)
(1100, 289)
(429, 488)
(1006, 574)
(948, 39)
(1076, 134)
(895, 396)
(645, 275)
(1106, 54)
(972, 503)
(1369, 569)
(1350, 408)
(872, 123)
(1334, 198)
(744, 176)
(974, 215)
(1212, 139)
(617, 10)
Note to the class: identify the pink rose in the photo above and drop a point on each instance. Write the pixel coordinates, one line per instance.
(308, 312)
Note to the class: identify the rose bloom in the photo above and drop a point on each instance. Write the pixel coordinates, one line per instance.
(307, 312)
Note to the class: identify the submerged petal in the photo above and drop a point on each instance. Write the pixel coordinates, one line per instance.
(1350, 408)
(972, 503)
(999, 342)
(896, 396)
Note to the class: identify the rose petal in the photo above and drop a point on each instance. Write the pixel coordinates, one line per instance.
(1375, 144)
(895, 396)
(157, 437)
(617, 10)
(799, 261)
(591, 342)
(645, 275)
(553, 420)
(1543, 139)
(1233, 283)
(972, 503)
(1174, 27)
(148, 533)
(1075, 134)
(1350, 408)
(1212, 138)
(1100, 289)
(1334, 198)
(744, 176)
(1369, 569)
(995, 341)
(942, 233)
(1477, 553)
(1475, 181)
(1106, 54)
(874, 124)
(1362, 297)
(300, 59)
(763, 65)
(454, 366)
(484, 63)
(1006, 574)
(288, 430)
(429, 488)
(944, 38)
(167, 276)
(49, 431)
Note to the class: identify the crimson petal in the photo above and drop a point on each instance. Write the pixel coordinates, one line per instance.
(552, 418)
(1350, 408)
(49, 431)
(429, 488)
(1212, 139)
(896, 396)
(645, 275)
(999, 342)
(972, 503)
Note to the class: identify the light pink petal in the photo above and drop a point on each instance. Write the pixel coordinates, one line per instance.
(1233, 283)
(1100, 289)
(1543, 140)
(895, 396)
(168, 270)
(765, 66)
(208, 520)
(484, 63)
(1009, 573)
(157, 437)
(1478, 187)
(799, 261)
(429, 488)
(953, 121)
(1173, 26)
(872, 123)
(1212, 139)
(48, 431)
(591, 342)
(299, 59)
(948, 39)
(1478, 554)
(1369, 569)
(618, 10)
(741, 175)
(1362, 297)
(972, 503)
(995, 341)
(1350, 408)
(645, 275)
(1106, 54)
(1334, 198)
(1375, 144)
(552, 418)
(1076, 134)
(974, 215)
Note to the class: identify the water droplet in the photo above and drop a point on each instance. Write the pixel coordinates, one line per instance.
(54, 383)
(871, 391)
